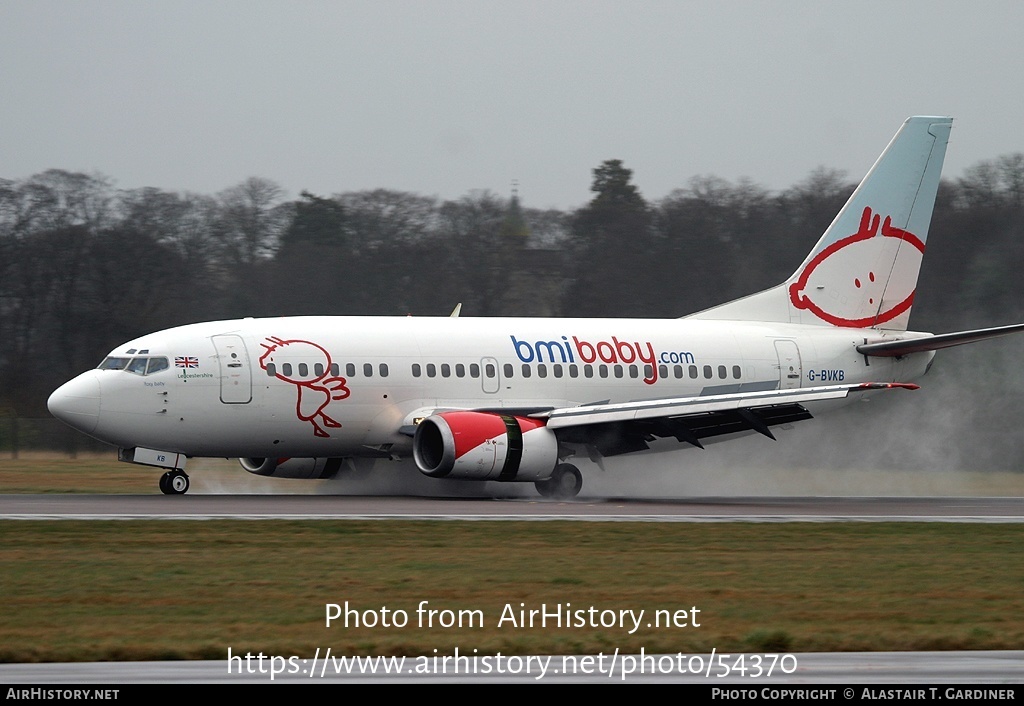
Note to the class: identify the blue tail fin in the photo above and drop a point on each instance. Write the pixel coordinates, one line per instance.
(863, 271)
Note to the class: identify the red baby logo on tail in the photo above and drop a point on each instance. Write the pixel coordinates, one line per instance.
(307, 366)
(869, 263)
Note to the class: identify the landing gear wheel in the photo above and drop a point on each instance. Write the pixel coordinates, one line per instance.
(545, 488)
(565, 482)
(174, 483)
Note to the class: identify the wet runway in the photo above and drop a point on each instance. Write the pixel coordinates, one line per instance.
(351, 507)
(846, 668)
(836, 668)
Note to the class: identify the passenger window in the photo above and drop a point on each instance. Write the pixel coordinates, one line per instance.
(368, 369)
(303, 370)
(693, 372)
(526, 370)
(736, 373)
(383, 370)
(574, 371)
(474, 370)
(677, 370)
(663, 371)
(602, 370)
(542, 370)
(490, 370)
(286, 369)
(708, 373)
(557, 369)
(618, 371)
(318, 370)
(271, 369)
(431, 370)
(156, 365)
(335, 370)
(508, 368)
(350, 369)
(634, 372)
(588, 371)
(415, 370)
(460, 370)
(722, 372)
(446, 370)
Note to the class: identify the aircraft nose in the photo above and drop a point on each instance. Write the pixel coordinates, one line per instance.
(77, 402)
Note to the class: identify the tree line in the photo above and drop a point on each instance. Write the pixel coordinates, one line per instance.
(85, 266)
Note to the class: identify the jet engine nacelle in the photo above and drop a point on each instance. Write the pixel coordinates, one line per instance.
(304, 468)
(484, 446)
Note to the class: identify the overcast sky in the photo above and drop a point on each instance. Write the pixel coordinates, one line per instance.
(439, 97)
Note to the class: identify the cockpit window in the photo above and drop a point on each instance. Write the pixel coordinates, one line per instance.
(138, 365)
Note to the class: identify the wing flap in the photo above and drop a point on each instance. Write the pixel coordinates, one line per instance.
(614, 429)
(692, 406)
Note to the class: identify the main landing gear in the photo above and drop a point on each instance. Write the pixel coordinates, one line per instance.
(565, 482)
(174, 482)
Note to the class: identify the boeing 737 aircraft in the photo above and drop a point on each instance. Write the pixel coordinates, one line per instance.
(514, 399)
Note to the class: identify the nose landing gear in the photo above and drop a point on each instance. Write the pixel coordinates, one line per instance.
(174, 482)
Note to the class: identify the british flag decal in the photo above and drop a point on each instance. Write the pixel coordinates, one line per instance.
(186, 361)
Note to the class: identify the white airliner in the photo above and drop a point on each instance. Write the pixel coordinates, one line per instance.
(513, 399)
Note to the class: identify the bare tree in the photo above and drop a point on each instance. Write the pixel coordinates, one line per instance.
(252, 219)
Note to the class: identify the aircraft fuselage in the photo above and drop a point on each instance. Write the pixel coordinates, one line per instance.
(276, 387)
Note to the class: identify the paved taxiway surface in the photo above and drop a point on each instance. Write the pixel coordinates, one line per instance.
(841, 668)
(923, 668)
(704, 509)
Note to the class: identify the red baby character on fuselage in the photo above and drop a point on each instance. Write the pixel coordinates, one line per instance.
(306, 365)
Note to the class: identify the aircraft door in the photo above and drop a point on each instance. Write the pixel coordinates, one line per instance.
(235, 370)
(490, 376)
(790, 369)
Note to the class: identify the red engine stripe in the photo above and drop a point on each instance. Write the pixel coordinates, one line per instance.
(470, 429)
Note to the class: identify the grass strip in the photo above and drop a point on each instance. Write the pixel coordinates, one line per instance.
(98, 590)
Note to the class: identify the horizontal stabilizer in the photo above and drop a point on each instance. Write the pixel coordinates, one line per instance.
(891, 349)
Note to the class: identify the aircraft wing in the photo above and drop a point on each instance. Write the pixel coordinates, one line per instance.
(625, 427)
